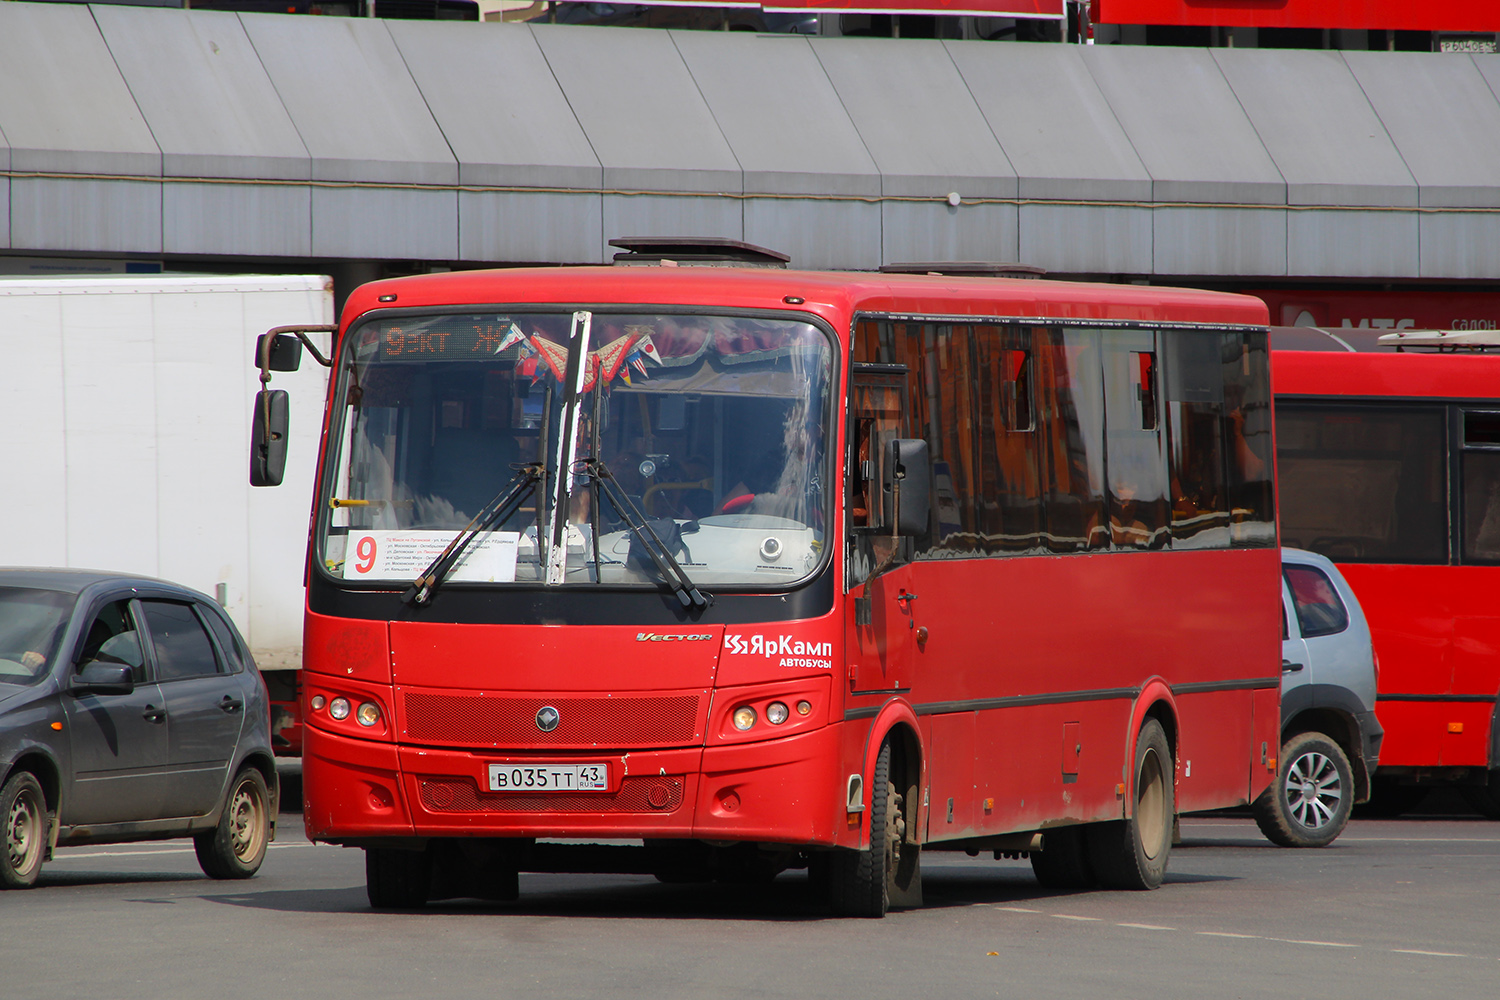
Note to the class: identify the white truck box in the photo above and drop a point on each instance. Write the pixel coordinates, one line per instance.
(125, 403)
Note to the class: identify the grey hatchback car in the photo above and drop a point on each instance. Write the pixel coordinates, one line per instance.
(130, 709)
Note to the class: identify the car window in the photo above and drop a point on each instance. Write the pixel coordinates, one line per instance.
(228, 644)
(1319, 609)
(183, 648)
(113, 637)
(31, 623)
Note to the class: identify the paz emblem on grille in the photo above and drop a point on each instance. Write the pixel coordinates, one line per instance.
(547, 719)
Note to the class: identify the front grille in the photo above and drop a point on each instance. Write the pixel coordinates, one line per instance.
(624, 722)
(645, 794)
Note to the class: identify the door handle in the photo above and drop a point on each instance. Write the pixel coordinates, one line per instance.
(230, 704)
(154, 714)
(903, 596)
(1288, 667)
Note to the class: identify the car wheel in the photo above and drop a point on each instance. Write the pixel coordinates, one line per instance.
(24, 809)
(1132, 853)
(1311, 797)
(237, 846)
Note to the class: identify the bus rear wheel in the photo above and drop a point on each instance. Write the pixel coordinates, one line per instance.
(863, 882)
(1132, 853)
(397, 880)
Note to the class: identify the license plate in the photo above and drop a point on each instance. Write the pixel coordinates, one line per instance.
(549, 777)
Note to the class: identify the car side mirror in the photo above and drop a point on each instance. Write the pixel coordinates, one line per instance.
(906, 486)
(98, 677)
(268, 432)
(280, 352)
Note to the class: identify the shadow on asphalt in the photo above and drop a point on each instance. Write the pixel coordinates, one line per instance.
(788, 898)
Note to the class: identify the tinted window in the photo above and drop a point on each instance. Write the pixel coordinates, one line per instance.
(1247, 425)
(1193, 371)
(1070, 417)
(1138, 510)
(182, 648)
(228, 643)
(1319, 610)
(1010, 509)
(1481, 487)
(1362, 483)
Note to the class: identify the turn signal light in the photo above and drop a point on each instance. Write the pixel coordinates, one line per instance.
(744, 718)
(368, 714)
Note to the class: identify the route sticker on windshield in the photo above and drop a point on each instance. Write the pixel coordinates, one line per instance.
(402, 555)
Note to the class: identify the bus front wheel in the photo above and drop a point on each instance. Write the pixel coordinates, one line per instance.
(1132, 853)
(862, 883)
(397, 880)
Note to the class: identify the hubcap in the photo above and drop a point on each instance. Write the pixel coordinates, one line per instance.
(23, 833)
(1151, 806)
(1313, 790)
(246, 826)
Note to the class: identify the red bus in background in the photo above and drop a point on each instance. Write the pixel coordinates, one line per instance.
(766, 569)
(1389, 464)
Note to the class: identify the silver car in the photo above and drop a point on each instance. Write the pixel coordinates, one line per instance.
(1330, 739)
(130, 709)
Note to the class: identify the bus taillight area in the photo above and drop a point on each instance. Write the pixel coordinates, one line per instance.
(783, 791)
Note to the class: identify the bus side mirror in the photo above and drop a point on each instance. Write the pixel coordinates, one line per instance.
(907, 472)
(281, 352)
(268, 430)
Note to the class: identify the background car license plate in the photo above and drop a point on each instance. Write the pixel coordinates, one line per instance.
(549, 777)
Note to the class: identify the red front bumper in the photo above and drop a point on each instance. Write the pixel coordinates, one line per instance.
(783, 791)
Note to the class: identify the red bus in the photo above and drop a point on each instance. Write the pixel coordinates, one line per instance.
(767, 569)
(1390, 465)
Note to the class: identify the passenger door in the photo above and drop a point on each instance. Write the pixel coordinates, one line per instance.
(1321, 620)
(119, 741)
(205, 706)
(882, 623)
(1294, 658)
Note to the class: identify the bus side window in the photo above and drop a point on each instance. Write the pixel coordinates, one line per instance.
(1481, 487)
(1248, 444)
(1070, 414)
(1010, 507)
(1139, 514)
(1194, 384)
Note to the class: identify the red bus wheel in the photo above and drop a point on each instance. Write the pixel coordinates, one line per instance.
(1132, 853)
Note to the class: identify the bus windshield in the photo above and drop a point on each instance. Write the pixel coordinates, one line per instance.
(712, 429)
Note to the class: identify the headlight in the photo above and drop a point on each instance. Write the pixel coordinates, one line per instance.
(368, 714)
(744, 717)
(339, 708)
(776, 713)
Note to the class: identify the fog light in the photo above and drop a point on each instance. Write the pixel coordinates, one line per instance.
(339, 708)
(776, 713)
(804, 707)
(368, 714)
(318, 701)
(744, 717)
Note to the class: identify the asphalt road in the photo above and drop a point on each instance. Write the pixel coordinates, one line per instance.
(1395, 908)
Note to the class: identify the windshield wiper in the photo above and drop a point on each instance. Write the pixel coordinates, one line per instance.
(669, 568)
(497, 511)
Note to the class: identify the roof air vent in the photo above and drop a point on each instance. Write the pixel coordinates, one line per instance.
(967, 269)
(701, 251)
